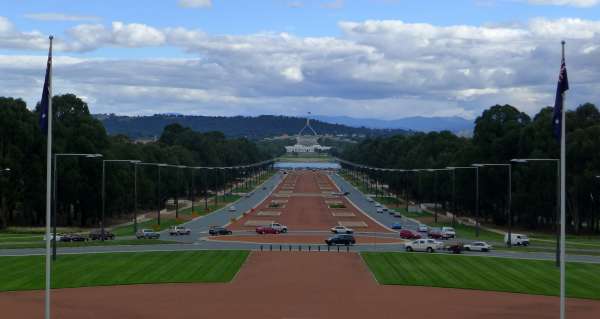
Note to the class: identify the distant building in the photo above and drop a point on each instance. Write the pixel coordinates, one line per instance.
(307, 143)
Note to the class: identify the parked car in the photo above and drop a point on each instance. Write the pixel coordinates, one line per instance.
(99, 235)
(428, 245)
(179, 230)
(219, 231)
(232, 208)
(423, 228)
(396, 226)
(517, 239)
(448, 232)
(147, 234)
(478, 246)
(342, 230)
(409, 234)
(341, 239)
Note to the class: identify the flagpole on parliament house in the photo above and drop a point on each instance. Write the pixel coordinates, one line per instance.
(48, 118)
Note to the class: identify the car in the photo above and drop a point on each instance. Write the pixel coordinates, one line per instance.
(455, 248)
(423, 228)
(342, 230)
(147, 234)
(279, 227)
(396, 226)
(379, 211)
(409, 234)
(341, 239)
(377, 205)
(435, 233)
(370, 200)
(179, 230)
(219, 231)
(387, 210)
(428, 245)
(517, 239)
(232, 208)
(266, 230)
(448, 232)
(59, 237)
(478, 246)
(99, 235)
(73, 238)
(397, 214)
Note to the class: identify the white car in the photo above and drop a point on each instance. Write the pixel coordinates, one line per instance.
(423, 228)
(279, 227)
(377, 205)
(379, 210)
(342, 230)
(232, 208)
(370, 200)
(428, 245)
(448, 232)
(59, 237)
(517, 239)
(478, 246)
(179, 230)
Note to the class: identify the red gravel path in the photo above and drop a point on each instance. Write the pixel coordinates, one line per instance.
(290, 285)
(306, 208)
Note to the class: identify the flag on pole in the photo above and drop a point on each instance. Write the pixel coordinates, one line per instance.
(561, 88)
(46, 95)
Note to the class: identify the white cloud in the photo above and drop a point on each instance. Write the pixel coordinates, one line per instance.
(195, 3)
(574, 3)
(53, 16)
(335, 4)
(295, 4)
(376, 68)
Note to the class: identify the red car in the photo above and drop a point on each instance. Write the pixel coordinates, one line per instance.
(266, 230)
(409, 234)
(436, 235)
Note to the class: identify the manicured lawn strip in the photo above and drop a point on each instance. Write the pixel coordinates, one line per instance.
(538, 277)
(117, 242)
(87, 270)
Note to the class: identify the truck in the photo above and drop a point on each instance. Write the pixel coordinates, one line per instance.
(517, 239)
(273, 228)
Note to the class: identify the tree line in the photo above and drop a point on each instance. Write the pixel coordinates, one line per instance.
(22, 150)
(502, 133)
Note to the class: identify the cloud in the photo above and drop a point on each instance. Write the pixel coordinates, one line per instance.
(295, 4)
(375, 68)
(49, 16)
(335, 4)
(195, 3)
(573, 3)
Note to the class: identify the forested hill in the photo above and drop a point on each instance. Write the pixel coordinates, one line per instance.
(236, 126)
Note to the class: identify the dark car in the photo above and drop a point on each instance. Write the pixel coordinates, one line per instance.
(266, 230)
(409, 234)
(98, 235)
(341, 239)
(219, 231)
(435, 234)
(73, 237)
(455, 248)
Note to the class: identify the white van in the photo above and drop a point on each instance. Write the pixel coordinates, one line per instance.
(517, 239)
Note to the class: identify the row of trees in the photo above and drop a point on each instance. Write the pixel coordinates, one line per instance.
(501, 133)
(22, 150)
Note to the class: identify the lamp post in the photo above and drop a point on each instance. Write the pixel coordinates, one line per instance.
(158, 166)
(557, 161)
(453, 168)
(435, 170)
(102, 224)
(509, 196)
(54, 191)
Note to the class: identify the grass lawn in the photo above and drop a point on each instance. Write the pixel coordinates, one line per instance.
(26, 273)
(41, 244)
(538, 277)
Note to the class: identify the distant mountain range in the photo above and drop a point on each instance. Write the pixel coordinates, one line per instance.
(417, 123)
(258, 127)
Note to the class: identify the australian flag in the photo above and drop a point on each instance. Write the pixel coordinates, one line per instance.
(44, 112)
(562, 87)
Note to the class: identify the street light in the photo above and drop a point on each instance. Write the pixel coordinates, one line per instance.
(102, 226)
(509, 196)
(453, 168)
(54, 191)
(557, 161)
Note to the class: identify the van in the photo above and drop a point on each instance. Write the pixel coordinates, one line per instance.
(517, 239)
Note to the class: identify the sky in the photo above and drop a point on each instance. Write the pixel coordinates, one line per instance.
(383, 59)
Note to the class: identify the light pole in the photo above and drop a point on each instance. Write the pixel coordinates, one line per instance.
(453, 168)
(54, 191)
(158, 166)
(102, 224)
(435, 187)
(557, 161)
(509, 196)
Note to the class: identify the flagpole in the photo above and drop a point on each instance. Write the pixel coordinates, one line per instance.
(48, 191)
(562, 200)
